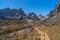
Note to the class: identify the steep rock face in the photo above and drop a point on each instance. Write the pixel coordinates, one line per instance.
(18, 14)
(32, 16)
(4, 12)
(21, 14)
(54, 16)
(55, 11)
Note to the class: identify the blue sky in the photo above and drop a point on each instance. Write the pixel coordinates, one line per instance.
(38, 6)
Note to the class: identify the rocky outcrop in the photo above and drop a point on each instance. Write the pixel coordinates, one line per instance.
(54, 16)
(55, 11)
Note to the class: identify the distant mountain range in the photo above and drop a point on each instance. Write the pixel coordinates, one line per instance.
(19, 14)
(13, 14)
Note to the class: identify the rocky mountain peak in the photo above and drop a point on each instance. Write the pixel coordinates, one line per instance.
(20, 10)
(32, 15)
(55, 10)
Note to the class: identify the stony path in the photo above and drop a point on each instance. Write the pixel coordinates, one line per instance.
(44, 35)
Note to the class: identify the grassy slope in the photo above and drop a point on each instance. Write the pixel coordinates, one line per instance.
(52, 31)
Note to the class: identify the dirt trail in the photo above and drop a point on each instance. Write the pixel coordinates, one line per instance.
(44, 35)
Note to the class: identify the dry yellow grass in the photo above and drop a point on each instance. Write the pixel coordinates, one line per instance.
(25, 30)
